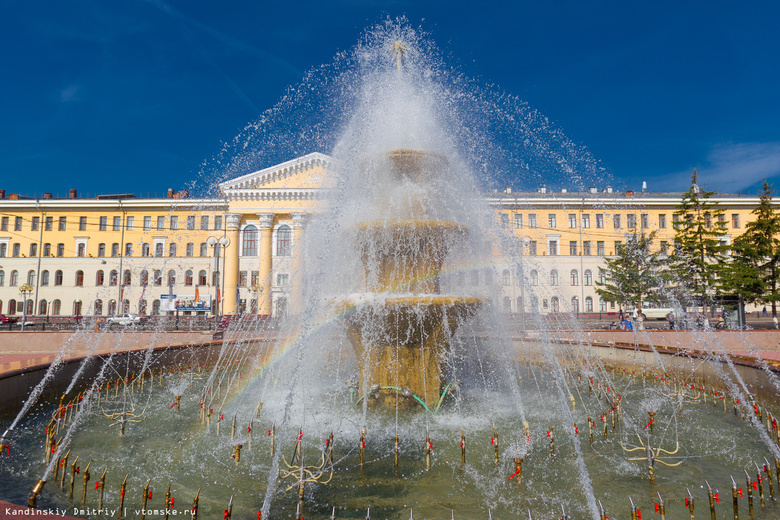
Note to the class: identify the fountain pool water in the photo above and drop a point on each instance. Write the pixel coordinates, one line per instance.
(398, 392)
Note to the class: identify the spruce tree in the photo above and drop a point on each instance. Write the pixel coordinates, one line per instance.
(698, 253)
(754, 272)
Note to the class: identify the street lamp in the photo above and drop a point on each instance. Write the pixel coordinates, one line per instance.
(216, 243)
(25, 289)
(526, 243)
(257, 290)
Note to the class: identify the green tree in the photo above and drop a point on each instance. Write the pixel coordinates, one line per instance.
(635, 275)
(754, 272)
(698, 253)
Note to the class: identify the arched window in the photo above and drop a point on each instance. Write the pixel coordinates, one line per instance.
(281, 307)
(145, 251)
(1, 306)
(56, 308)
(157, 277)
(575, 304)
(17, 250)
(77, 308)
(14, 281)
(554, 277)
(144, 278)
(115, 249)
(588, 277)
(202, 278)
(204, 249)
(284, 241)
(155, 307)
(125, 306)
(575, 277)
(2, 277)
(42, 307)
(534, 304)
(188, 277)
(101, 250)
(602, 277)
(44, 278)
(172, 249)
(534, 277)
(82, 250)
(588, 304)
(31, 277)
(113, 277)
(30, 308)
(100, 278)
(507, 304)
(58, 277)
(249, 241)
(98, 307)
(111, 307)
(602, 304)
(11, 306)
(33, 250)
(142, 307)
(555, 304)
(79, 278)
(127, 278)
(171, 277)
(506, 278)
(158, 249)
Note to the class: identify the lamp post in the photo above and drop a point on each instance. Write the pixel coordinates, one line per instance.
(526, 243)
(257, 290)
(25, 289)
(216, 243)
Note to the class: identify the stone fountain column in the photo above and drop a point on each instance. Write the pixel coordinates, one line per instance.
(265, 263)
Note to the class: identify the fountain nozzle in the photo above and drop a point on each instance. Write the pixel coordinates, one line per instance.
(35, 493)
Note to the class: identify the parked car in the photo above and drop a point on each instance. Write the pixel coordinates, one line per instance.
(649, 313)
(124, 320)
(8, 319)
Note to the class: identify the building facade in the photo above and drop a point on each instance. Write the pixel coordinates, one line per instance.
(239, 253)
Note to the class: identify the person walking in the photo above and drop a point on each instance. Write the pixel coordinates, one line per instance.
(764, 311)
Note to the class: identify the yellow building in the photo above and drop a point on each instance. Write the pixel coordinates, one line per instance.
(118, 254)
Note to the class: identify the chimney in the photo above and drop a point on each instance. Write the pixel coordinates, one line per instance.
(592, 189)
(73, 194)
(609, 189)
(508, 189)
(563, 190)
(47, 195)
(170, 193)
(543, 189)
(644, 186)
(2, 194)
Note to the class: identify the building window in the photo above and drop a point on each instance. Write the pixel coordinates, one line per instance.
(534, 277)
(188, 277)
(58, 277)
(14, 280)
(602, 277)
(573, 248)
(552, 248)
(599, 220)
(645, 221)
(586, 221)
(117, 224)
(191, 222)
(3, 250)
(532, 220)
(204, 222)
(574, 277)
(42, 307)
(586, 248)
(631, 221)
(115, 250)
(174, 223)
(130, 223)
(56, 307)
(190, 249)
(155, 307)
(144, 278)
(17, 250)
(101, 250)
(588, 304)
(172, 249)
(708, 220)
(218, 222)
(202, 280)
(147, 223)
(242, 278)
(113, 277)
(518, 220)
(662, 221)
(554, 277)
(551, 221)
(98, 307)
(618, 246)
(284, 241)
(735, 221)
(255, 278)
(145, 249)
(158, 249)
(555, 305)
(204, 249)
(36, 222)
(675, 220)
(44, 278)
(31, 277)
(103, 224)
(128, 249)
(572, 221)
(575, 304)
(160, 223)
(4, 224)
(81, 250)
(79, 278)
(127, 277)
(18, 224)
(100, 278)
(602, 304)
(60, 250)
(48, 224)
(33, 250)
(616, 221)
(250, 241)
(600, 248)
(171, 277)
(532, 248)
(587, 277)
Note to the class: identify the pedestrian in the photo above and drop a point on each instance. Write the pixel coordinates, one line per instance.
(629, 325)
(764, 311)
(621, 316)
(670, 319)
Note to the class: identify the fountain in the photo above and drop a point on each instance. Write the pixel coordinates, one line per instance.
(447, 411)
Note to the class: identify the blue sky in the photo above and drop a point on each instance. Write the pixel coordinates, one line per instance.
(136, 96)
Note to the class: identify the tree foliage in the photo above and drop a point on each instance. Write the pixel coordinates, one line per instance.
(635, 275)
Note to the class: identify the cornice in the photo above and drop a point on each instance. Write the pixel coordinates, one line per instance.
(258, 178)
